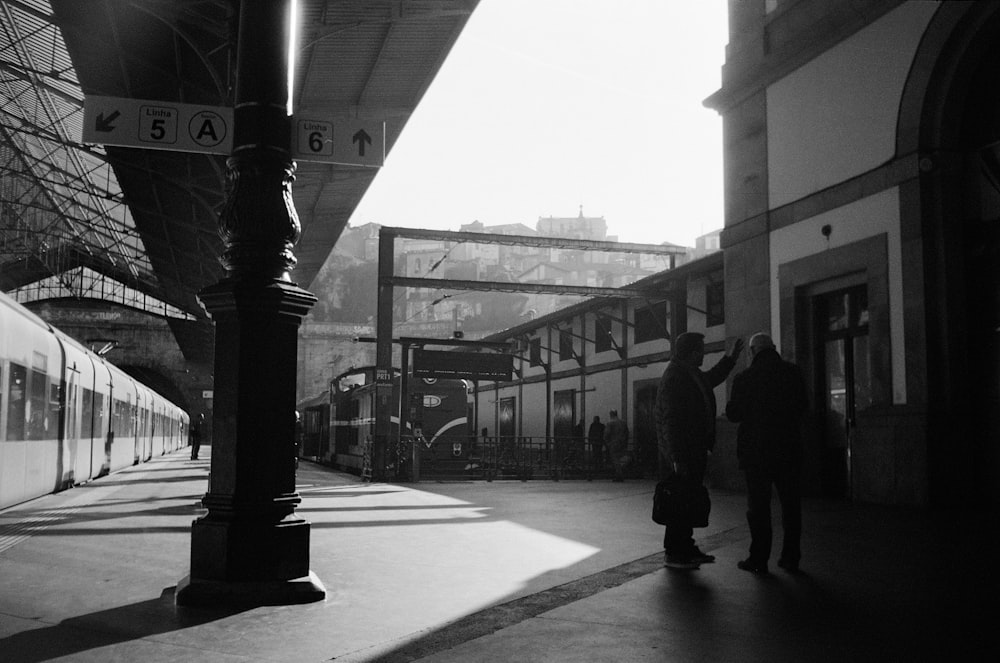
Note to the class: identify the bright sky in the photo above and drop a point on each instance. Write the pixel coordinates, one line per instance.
(546, 105)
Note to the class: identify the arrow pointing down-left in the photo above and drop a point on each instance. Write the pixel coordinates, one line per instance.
(104, 124)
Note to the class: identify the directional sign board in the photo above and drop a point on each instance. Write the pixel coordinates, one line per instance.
(162, 125)
(349, 142)
(469, 365)
(158, 125)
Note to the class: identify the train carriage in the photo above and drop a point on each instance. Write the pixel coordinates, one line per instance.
(82, 445)
(67, 415)
(30, 372)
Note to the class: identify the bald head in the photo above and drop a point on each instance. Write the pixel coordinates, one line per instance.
(760, 341)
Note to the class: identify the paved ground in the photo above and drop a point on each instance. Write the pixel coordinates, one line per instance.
(502, 571)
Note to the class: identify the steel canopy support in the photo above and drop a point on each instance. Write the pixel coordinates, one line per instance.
(383, 354)
(251, 548)
(387, 281)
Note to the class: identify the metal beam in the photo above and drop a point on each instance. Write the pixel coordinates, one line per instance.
(507, 286)
(527, 240)
(457, 342)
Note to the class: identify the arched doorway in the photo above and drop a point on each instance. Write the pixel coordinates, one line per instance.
(958, 139)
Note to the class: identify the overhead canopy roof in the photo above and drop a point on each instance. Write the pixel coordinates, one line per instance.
(148, 218)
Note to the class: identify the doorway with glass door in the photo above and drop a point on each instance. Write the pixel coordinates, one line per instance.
(843, 380)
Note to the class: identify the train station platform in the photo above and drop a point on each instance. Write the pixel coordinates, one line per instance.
(500, 571)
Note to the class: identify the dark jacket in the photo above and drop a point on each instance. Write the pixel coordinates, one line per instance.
(616, 435)
(596, 433)
(686, 410)
(768, 400)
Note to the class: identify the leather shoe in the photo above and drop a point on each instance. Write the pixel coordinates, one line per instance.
(701, 557)
(752, 566)
(791, 567)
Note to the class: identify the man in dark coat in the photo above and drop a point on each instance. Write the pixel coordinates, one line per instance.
(595, 435)
(616, 439)
(195, 433)
(768, 400)
(685, 431)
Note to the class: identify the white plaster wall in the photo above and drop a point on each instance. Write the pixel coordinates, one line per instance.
(869, 217)
(532, 408)
(648, 372)
(607, 394)
(835, 117)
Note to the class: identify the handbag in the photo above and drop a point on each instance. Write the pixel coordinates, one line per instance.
(678, 501)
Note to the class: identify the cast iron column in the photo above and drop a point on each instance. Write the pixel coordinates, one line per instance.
(251, 547)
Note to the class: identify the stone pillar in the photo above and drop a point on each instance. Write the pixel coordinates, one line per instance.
(251, 547)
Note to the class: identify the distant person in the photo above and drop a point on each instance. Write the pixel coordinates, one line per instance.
(579, 442)
(616, 439)
(595, 436)
(685, 432)
(768, 401)
(195, 435)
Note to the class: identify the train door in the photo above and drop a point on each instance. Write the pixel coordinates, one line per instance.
(87, 442)
(136, 427)
(644, 428)
(844, 375)
(145, 404)
(71, 425)
(104, 412)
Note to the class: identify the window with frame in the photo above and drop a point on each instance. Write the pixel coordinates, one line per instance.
(565, 345)
(603, 340)
(715, 304)
(651, 322)
(535, 352)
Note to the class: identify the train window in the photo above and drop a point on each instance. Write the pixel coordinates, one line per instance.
(118, 417)
(87, 416)
(52, 413)
(37, 406)
(100, 426)
(17, 383)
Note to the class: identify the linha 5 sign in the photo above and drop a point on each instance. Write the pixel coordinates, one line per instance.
(158, 125)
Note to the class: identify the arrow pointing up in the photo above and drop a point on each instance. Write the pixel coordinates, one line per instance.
(361, 137)
(104, 124)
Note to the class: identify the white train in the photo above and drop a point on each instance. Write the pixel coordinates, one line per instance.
(67, 415)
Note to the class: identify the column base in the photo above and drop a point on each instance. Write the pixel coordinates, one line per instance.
(193, 592)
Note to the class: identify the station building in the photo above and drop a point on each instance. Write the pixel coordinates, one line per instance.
(862, 230)
(862, 194)
(605, 354)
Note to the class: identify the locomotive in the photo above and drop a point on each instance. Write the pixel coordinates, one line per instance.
(338, 426)
(67, 415)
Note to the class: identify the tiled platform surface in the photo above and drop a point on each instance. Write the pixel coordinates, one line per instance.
(502, 571)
